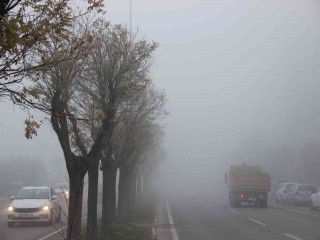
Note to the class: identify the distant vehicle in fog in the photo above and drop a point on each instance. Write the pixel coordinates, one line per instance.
(34, 204)
(248, 184)
(62, 190)
(282, 192)
(300, 194)
(315, 200)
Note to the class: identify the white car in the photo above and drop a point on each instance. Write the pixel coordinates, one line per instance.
(62, 190)
(315, 200)
(34, 204)
(282, 192)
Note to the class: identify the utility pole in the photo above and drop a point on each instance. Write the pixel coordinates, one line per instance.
(130, 17)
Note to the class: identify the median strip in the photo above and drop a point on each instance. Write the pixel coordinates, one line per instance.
(256, 221)
(292, 237)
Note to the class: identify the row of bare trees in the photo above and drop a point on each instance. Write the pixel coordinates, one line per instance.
(105, 111)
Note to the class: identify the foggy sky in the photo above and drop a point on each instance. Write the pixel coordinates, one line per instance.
(240, 76)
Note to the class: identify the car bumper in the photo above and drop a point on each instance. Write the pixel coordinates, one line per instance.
(43, 216)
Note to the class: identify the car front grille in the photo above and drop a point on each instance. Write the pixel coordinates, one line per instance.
(27, 210)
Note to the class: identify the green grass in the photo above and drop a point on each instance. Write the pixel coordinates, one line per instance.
(136, 227)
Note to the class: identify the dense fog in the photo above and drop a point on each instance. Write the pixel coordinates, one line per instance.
(242, 83)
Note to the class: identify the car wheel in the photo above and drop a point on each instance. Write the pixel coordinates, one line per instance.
(10, 224)
(312, 207)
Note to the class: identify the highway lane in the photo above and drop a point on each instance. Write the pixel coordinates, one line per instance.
(212, 218)
(34, 231)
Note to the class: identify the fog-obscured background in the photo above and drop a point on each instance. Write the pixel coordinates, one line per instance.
(242, 82)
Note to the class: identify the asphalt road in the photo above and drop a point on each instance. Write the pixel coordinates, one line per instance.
(212, 218)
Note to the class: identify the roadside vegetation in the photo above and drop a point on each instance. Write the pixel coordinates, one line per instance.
(136, 227)
(92, 80)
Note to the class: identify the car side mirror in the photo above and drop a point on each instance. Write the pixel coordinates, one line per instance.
(12, 198)
(54, 197)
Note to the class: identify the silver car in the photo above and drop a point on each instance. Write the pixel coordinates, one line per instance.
(315, 200)
(300, 194)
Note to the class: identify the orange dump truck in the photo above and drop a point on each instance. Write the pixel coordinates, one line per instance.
(248, 184)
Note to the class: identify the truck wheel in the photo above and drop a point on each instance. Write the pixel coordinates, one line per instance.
(263, 204)
(237, 204)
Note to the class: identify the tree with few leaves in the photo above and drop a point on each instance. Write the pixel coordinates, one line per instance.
(24, 25)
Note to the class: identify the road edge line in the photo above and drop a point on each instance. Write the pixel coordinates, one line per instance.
(63, 228)
(296, 211)
(173, 229)
(292, 236)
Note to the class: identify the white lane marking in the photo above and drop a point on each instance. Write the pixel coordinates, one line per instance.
(296, 211)
(60, 229)
(233, 211)
(292, 237)
(173, 229)
(256, 221)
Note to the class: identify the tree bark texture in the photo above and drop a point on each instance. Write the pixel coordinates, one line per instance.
(76, 179)
(108, 199)
(93, 174)
(123, 203)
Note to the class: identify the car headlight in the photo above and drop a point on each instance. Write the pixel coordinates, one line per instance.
(45, 208)
(10, 209)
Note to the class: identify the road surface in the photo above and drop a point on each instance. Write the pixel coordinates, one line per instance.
(212, 218)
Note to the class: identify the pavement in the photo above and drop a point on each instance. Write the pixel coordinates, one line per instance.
(211, 218)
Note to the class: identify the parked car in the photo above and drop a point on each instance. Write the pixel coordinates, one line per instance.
(315, 200)
(34, 204)
(282, 192)
(300, 194)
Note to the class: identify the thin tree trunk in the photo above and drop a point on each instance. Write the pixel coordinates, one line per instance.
(132, 195)
(123, 207)
(76, 178)
(93, 174)
(108, 199)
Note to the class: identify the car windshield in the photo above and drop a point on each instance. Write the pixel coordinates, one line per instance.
(33, 194)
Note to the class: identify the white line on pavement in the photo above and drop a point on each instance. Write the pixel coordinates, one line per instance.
(256, 221)
(60, 229)
(292, 237)
(233, 211)
(173, 229)
(296, 211)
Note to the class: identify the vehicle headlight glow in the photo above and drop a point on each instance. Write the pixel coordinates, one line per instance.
(45, 208)
(10, 209)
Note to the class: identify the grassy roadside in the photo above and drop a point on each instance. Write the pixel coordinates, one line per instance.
(137, 227)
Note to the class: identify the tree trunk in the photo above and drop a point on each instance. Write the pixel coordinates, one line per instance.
(93, 174)
(123, 203)
(108, 199)
(132, 194)
(76, 178)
